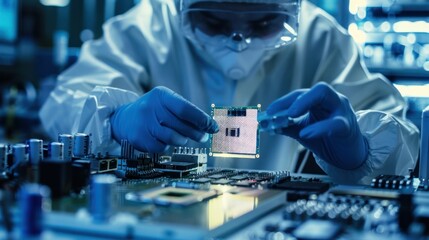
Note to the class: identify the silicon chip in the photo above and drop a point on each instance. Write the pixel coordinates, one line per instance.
(238, 134)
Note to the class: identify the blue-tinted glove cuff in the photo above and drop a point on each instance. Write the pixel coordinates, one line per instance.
(115, 120)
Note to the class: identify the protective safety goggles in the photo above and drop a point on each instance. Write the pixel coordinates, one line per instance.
(241, 25)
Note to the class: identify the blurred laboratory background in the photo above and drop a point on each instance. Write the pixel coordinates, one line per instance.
(40, 38)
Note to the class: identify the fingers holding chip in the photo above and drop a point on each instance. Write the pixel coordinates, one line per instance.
(270, 123)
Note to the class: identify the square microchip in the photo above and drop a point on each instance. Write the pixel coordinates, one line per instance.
(238, 134)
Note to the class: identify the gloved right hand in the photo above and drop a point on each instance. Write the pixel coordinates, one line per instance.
(324, 122)
(161, 118)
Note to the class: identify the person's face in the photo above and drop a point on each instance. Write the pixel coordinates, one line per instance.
(256, 25)
(242, 20)
(237, 37)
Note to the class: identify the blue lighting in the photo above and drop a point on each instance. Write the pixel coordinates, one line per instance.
(8, 24)
(55, 3)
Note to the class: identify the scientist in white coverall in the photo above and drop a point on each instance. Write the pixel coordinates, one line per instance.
(132, 84)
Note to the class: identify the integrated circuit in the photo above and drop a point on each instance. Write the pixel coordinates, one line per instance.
(238, 134)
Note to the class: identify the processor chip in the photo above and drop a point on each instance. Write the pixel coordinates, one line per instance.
(238, 134)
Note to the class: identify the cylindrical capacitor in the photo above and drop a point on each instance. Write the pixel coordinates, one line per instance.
(55, 151)
(81, 145)
(35, 151)
(32, 199)
(101, 197)
(67, 140)
(3, 163)
(20, 155)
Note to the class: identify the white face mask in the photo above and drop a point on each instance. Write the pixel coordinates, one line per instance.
(234, 65)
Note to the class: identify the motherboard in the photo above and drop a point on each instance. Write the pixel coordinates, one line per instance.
(60, 190)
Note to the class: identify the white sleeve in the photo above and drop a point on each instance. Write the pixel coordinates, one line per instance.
(109, 73)
(73, 112)
(100, 104)
(393, 148)
(393, 141)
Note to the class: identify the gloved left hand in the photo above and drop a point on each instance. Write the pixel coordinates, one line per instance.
(325, 123)
(159, 119)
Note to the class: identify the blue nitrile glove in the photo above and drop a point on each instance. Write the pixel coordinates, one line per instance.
(324, 122)
(161, 118)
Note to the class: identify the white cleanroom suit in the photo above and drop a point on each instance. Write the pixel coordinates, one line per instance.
(145, 48)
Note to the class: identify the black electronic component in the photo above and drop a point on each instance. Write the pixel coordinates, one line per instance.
(424, 185)
(9, 160)
(3, 152)
(80, 174)
(406, 211)
(313, 187)
(191, 155)
(232, 132)
(150, 174)
(144, 162)
(176, 165)
(113, 164)
(56, 175)
(237, 112)
(184, 158)
(176, 169)
(5, 203)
